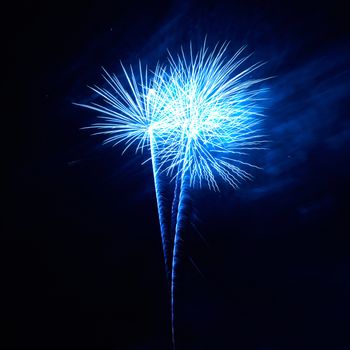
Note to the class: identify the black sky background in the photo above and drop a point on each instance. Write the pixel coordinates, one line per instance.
(266, 267)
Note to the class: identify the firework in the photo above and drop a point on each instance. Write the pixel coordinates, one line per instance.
(198, 118)
(214, 111)
(127, 115)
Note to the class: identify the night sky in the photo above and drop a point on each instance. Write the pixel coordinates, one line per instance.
(266, 267)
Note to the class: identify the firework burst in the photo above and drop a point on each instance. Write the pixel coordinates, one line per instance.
(198, 117)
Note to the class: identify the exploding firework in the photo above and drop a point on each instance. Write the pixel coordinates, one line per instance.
(128, 113)
(198, 117)
(211, 116)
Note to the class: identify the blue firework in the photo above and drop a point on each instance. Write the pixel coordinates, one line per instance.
(128, 113)
(198, 117)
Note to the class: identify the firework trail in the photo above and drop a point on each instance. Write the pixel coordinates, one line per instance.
(198, 118)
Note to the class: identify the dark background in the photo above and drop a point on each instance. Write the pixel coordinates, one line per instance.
(267, 267)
